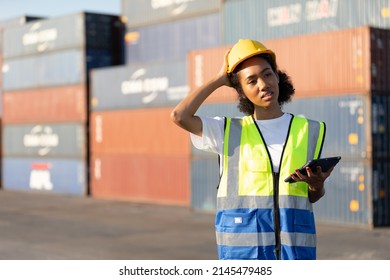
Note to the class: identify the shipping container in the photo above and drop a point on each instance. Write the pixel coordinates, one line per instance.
(329, 63)
(381, 192)
(138, 132)
(147, 12)
(264, 20)
(75, 31)
(44, 140)
(381, 126)
(172, 40)
(348, 199)
(14, 22)
(53, 104)
(204, 181)
(140, 85)
(46, 70)
(60, 176)
(142, 178)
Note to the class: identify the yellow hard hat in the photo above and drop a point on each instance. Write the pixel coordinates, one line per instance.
(243, 50)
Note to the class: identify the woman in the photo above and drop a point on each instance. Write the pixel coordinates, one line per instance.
(259, 215)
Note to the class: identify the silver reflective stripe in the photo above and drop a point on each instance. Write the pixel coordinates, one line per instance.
(295, 202)
(234, 157)
(314, 132)
(245, 202)
(246, 239)
(298, 239)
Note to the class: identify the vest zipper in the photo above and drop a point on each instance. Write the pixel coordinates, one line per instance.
(275, 178)
(276, 214)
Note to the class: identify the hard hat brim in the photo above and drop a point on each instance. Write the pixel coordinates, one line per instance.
(234, 66)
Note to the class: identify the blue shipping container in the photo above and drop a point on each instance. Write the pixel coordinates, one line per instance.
(62, 176)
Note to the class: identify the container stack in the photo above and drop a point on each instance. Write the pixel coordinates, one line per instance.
(17, 21)
(45, 93)
(137, 153)
(340, 70)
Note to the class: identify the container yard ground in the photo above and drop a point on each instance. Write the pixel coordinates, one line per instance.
(45, 226)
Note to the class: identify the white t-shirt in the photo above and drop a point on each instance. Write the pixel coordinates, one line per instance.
(274, 132)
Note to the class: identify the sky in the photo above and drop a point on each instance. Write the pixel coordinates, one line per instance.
(50, 8)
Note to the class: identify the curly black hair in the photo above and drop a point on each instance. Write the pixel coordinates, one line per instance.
(286, 88)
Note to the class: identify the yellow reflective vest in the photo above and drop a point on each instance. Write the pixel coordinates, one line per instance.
(259, 216)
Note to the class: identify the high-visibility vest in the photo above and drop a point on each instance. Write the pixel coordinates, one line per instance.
(259, 216)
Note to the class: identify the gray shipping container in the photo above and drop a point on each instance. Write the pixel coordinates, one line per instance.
(46, 70)
(13, 22)
(172, 40)
(265, 20)
(45, 140)
(348, 199)
(139, 85)
(147, 12)
(81, 30)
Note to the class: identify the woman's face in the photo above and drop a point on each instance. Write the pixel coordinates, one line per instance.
(259, 82)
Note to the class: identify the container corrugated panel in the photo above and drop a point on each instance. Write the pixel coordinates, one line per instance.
(347, 119)
(171, 41)
(204, 64)
(381, 192)
(283, 18)
(145, 12)
(141, 132)
(59, 104)
(152, 178)
(139, 86)
(81, 30)
(61, 176)
(204, 182)
(14, 22)
(348, 197)
(45, 140)
(381, 126)
(47, 70)
(17, 21)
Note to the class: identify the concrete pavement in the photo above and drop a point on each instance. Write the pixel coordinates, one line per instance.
(46, 226)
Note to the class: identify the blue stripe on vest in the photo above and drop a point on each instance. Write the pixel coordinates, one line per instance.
(244, 220)
(297, 220)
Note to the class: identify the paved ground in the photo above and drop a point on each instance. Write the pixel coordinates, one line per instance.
(45, 226)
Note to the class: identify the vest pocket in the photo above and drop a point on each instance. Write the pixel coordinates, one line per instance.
(239, 221)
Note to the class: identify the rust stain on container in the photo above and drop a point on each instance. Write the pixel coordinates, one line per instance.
(142, 132)
(150, 179)
(58, 104)
(326, 63)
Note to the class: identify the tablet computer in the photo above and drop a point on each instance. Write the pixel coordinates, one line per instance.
(325, 163)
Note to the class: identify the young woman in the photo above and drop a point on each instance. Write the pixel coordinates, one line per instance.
(259, 215)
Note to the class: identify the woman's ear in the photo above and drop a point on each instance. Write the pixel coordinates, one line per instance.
(277, 76)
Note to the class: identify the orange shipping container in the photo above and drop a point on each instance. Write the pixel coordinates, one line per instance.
(344, 61)
(137, 132)
(59, 104)
(147, 179)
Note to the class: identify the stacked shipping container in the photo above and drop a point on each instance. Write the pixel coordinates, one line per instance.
(265, 20)
(46, 82)
(341, 77)
(136, 151)
(18, 21)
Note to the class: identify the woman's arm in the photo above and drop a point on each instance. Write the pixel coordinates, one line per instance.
(184, 113)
